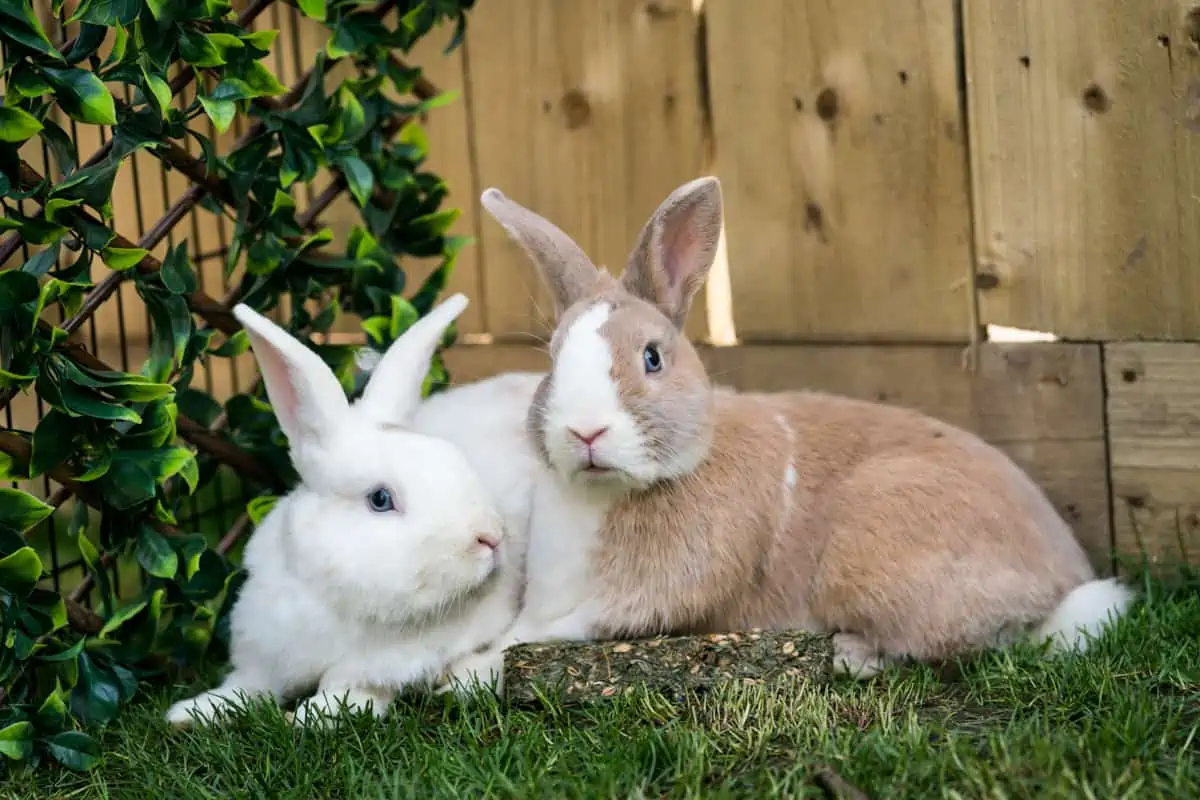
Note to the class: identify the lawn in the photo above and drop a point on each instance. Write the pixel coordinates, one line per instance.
(1122, 721)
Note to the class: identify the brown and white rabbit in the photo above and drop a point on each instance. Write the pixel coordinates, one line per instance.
(672, 505)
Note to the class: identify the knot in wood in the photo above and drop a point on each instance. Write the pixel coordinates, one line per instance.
(576, 109)
(827, 104)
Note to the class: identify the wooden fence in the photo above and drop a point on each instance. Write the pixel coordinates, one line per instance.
(898, 176)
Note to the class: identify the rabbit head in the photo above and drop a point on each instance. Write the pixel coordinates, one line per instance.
(627, 400)
(386, 523)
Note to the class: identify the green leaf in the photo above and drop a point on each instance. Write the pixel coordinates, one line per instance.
(158, 90)
(437, 223)
(437, 101)
(26, 28)
(20, 571)
(97, 695)
(120, 43)
(258, 508)
(359, 177)
(24, 82)
(157, 427)
(221, 112)
(134, 475)
(154, 553)
(107, 12)
(123, 615)
(235, 345)
(94, 186)
(199, 50)
(262, 40)
(282, 200)
(16, 741)
(82, 95)
(121, 385)
(16, 289)
(262, 80)
(33, 230)
(40, 264)
(403, 316)
(80, 401)
(58, 207)
(70, 654)
(122, 258)
(223, 43)
(20, 511)
(53, 442)
(176, 271)
(314, 9)
(52, 714)
(413, 135)
(17, 125)
(192, 548)
(75, 750)
(90, 37)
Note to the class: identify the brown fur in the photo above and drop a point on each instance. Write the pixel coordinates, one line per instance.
(908, 535)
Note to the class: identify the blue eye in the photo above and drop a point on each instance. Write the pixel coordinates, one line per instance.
(380, 500)
(652, 359)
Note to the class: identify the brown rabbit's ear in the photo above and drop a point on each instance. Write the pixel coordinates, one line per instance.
(676, 249)
(563, 265)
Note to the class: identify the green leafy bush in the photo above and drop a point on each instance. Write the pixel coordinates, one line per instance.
(128, 449)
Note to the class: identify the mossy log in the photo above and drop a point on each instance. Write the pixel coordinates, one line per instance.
(672, 665)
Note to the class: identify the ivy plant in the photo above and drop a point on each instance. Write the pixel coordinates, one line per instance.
(129, 449)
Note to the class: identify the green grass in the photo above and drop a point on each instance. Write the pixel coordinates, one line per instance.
(1122, 721)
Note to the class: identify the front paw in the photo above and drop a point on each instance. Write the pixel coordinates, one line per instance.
(478, 671)
(322, 709)
(204, 709)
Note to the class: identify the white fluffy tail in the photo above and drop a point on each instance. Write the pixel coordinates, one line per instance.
(1084, 613)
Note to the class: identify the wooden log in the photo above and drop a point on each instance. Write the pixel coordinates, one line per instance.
(575, 672)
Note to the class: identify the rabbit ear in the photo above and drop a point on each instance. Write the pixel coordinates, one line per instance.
(563, 265)
(676, 249)
(394, 390)
(307, 398)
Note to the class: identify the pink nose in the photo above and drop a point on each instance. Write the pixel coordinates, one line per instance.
(488, 541)
(588, 438)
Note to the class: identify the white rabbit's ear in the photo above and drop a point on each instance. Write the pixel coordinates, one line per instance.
(563, 265)
(394, 390)
(676, 248)
(307, 398)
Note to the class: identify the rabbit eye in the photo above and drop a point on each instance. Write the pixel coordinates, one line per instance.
(380, 500)
(652, 359)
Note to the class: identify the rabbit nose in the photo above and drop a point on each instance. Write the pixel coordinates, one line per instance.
(588, 438)
(488, 540)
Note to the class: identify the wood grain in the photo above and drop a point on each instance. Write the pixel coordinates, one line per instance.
(589, 113)
(1154, 441)
(841, 148)
(1083, 117)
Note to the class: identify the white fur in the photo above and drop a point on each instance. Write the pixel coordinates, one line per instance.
(584, 398)
(554, 523)
(1085, 613)
(354, 602)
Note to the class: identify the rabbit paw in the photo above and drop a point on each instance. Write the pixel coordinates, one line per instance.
(474, 672)
(204, 709)
(854, 656)
(321, 709)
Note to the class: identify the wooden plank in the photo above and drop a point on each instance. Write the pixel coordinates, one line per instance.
(1082, 120)
(449, 133)
(1154, 441)
(1041, 403)
(843, 157)
(590, 114)
(468, 362)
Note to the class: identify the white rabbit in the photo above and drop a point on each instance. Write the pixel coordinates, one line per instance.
(386, 563)
(673, 506)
